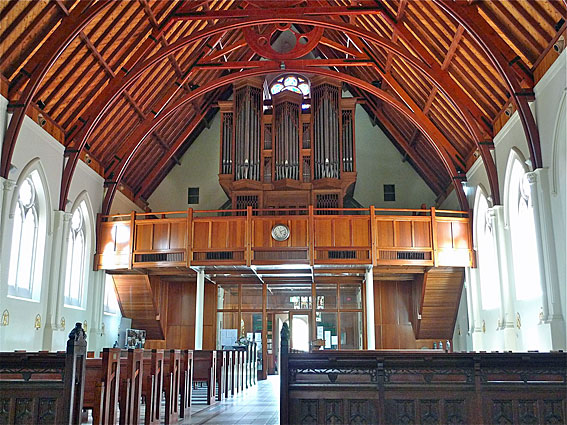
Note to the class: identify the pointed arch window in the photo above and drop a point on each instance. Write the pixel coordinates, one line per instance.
(23, 252)
(488, 271)
(522, 231)
(76, 258)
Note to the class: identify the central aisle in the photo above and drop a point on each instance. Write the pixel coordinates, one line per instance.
(256, 405)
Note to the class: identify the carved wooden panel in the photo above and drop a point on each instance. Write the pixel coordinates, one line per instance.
(400, 411)
(455, 412)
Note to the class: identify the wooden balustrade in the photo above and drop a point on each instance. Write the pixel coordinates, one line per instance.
(392, 387)
(364, 236)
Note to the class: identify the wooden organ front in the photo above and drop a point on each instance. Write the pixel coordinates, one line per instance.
(292, 150)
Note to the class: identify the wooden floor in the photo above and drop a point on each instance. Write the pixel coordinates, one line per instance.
(256, 405)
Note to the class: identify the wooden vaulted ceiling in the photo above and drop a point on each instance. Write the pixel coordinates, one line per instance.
(459, 109)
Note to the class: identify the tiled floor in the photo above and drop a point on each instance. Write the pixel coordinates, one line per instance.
(256, 405)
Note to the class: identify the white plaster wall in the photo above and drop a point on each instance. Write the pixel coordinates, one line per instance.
(34, 142)
(550, 110)
(378, 163)
(199, 168)
(122, 205)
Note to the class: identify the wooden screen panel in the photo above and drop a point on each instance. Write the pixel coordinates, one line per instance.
(444, 234)
(342, 236)
(402, 234)
(200, 234)
(114, 246)
(460, 233)
(422, 234)
(219, 234)
(236, 233)
(144, 237)
(177, 235)
(361, 232)
(298, 234)
(161, 236)
(385, 233)
(262, 232)
(323, 232)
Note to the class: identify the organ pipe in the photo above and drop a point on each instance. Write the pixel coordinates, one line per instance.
(248, 128)
(286, 143)
(326, 147)
(287, 113)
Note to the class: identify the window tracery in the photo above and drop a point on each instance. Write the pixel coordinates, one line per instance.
(76, 258)
(24, 241)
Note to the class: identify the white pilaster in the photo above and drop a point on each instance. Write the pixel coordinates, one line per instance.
(505, 274)
(538, 181)
(56, 281)
(7, 189)
(473, 306)
(370, 328)
(199, 309)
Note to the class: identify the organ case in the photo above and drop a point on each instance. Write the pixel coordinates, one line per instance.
(287, 151)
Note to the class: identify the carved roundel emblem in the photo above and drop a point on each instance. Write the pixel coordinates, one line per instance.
(280, 232)
(299, 44)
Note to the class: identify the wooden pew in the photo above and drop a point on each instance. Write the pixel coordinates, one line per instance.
(229, 373)
(422, 386)
(132, 370)
(234, 373)
(172, 367)
(205, 370)
(186, 385)
(254, 363)
(221, 374)
(44, 387)
(152, 385)
(101, 386)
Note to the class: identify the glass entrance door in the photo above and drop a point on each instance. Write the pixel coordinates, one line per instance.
(300, 331)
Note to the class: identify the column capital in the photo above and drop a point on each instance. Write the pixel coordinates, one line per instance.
(7, 184)
(531, 177)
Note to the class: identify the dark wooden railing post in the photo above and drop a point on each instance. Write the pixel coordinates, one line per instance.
(284, 376)
(75, 371)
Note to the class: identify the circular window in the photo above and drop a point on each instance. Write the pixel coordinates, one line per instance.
(294, 83)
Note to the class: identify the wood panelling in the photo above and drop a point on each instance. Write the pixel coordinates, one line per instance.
(113, 245)
(361, 236)
(441, 292)
(172, 299)
(393, 303)
(262, 232)
(210, 317)
(142, 301)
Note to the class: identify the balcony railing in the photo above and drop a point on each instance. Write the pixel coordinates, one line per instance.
(318, 236)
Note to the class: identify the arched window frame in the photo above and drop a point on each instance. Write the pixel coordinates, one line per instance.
(489, 283)
(77, 263)
(39, 208)
(521, 225)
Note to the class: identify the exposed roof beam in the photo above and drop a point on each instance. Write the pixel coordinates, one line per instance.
(39, 65)
(499, 54)
(291, 62)
(285, 12)
(453, 47)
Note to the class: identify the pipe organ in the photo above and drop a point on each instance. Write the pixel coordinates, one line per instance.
(288, 151)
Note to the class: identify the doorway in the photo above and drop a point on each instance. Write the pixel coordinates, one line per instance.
(300, 331)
